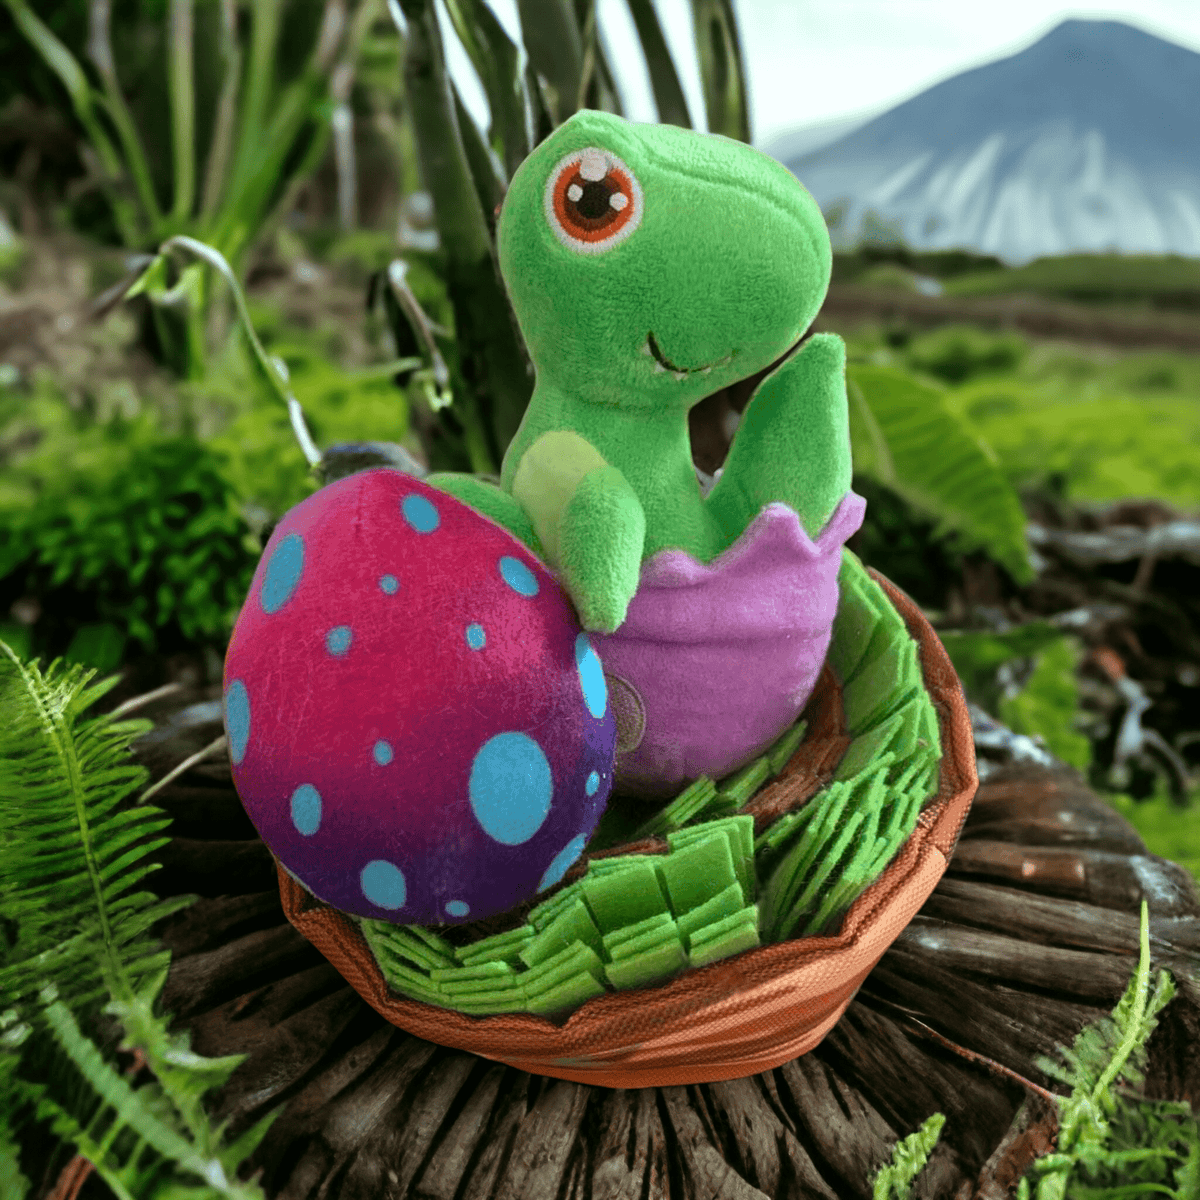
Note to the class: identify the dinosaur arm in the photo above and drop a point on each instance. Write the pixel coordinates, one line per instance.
(793, 442)
(489, 500)
(590, 521)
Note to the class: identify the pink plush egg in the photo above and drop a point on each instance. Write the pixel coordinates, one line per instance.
(418, 726)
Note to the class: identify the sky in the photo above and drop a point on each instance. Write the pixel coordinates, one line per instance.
(815, 61)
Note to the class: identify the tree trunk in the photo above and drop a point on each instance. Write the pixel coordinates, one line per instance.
(1031, 934)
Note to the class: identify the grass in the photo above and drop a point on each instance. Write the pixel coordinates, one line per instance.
(1168, 281)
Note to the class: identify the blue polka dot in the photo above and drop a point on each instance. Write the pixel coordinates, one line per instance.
(283, 573)
(562, 860)
(306, 809)
(337, 640)
(593, 783)
(419, 513)
(383, 884)
(518, 576)
(383, 753)
(591, 676)
(476, 637)
(458, 908)
(389, 583)
(237, 720)
(510, 788)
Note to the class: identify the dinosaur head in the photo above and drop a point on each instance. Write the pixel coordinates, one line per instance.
(649, 265)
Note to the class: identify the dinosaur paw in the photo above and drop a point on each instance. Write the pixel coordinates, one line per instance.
(600, 614)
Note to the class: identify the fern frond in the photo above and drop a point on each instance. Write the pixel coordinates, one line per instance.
(155, 1139)
(70, 855)
(1130, 1147)
(908, 1160)
(17, 1098)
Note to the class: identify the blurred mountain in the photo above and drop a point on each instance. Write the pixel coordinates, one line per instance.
(1087, 141)
(807, 138)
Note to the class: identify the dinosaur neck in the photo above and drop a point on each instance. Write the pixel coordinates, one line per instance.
(651, 449)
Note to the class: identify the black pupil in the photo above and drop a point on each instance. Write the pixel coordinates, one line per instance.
(594, 201)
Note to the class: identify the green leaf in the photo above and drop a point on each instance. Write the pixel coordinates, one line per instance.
(489, 185)
(491, 360)
(722, 70)
(97, 645)
(1094, 1129)
(128, 1104)
(554, 44)
(498, 65)
(940, 465)
(83, 100)
(668, 92)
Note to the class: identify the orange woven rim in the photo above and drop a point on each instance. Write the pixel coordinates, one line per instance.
(736, 1017)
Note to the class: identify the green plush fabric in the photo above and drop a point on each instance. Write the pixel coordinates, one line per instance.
(649, 266)
(493, 502)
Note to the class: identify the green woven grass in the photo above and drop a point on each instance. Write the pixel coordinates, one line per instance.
(636, 920)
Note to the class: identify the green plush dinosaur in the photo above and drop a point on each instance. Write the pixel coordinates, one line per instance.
(649, 266)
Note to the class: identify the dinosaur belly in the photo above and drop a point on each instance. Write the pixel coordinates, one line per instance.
(715, 660)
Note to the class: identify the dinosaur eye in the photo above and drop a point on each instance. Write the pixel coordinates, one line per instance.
(593, 201)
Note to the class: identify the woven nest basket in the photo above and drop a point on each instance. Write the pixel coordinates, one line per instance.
(738, 1016)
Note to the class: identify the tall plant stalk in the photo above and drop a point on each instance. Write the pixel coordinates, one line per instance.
(268, 137)
(495, 380)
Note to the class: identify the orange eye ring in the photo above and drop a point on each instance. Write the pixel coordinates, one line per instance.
(593, 201)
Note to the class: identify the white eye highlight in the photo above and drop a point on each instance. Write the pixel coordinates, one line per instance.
(593, 165)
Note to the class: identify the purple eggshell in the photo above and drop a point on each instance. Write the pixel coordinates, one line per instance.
(418, 727)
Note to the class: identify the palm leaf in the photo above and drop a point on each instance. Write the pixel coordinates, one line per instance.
(722, 72)
(485, 176)
(491, 358)
(554, 43)
(69, 853)
(610, 94)
(498, 65)
(906, 437)
(664, 80)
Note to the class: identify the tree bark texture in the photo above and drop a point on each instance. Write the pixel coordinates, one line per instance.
(1031, 934)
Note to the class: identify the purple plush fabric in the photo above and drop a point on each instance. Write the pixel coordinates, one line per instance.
(714, 661)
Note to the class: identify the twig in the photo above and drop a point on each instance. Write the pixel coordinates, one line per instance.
(70, 1179)
(134, 702)
(920, 1028)
(1145, 570)
(342, 125)
(213, 746)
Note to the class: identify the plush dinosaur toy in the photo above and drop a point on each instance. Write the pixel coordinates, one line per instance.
(648, 266)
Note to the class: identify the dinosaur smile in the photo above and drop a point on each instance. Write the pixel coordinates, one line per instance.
(663, 363)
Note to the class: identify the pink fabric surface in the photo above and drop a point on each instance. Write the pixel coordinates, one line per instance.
(721, 657)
